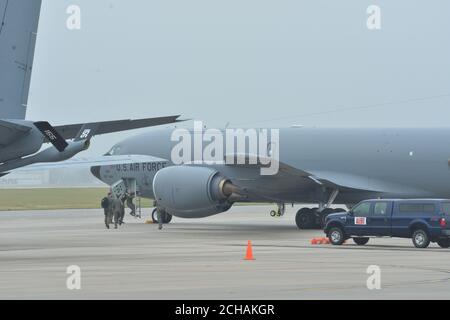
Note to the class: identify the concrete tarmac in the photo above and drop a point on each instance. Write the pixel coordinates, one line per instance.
(203, 259)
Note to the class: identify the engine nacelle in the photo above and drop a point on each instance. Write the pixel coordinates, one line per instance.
(192, 192)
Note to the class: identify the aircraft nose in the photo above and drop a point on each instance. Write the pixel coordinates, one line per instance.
(96, 172)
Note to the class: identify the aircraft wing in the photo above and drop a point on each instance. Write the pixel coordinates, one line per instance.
(10, 131)
(70, 131)
(326, 178)
(90, 162)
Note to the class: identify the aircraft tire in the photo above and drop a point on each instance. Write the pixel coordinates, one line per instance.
(323, 215)
(444, 243)
(305, 219)
(154, 219)
(166, 217)
(360, 241)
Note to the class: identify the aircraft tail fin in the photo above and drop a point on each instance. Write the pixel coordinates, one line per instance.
(18, 30)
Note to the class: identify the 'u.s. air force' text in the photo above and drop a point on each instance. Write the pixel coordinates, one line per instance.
(141, 167)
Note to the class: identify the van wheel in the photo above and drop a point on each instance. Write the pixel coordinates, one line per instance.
(420, 238)
(336, 236)
(444, 243)
(361, 241)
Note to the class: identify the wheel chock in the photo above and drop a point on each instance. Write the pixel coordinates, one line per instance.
(320, 240)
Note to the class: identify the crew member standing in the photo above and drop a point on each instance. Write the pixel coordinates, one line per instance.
(130, 204)
(117, 208)
(160, 213)
(122, 209)
(107, 205)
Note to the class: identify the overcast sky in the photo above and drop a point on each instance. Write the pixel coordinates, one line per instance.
(246, 62)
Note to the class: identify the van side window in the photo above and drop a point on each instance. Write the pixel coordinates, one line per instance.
(416, 208)
(446, 208)
(362, 210)
(380, 208)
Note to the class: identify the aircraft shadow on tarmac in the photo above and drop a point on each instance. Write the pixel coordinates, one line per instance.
(270, 230)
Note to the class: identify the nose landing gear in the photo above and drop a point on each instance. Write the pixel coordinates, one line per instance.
(280, 210)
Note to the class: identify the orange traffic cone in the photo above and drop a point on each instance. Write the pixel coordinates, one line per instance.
(249, 255)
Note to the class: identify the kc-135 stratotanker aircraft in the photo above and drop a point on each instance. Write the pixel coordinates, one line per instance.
(20, 139)
(315, 165)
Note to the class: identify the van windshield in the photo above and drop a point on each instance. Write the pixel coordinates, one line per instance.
(446, 208)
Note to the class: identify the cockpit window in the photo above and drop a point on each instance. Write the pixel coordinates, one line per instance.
(114, 151)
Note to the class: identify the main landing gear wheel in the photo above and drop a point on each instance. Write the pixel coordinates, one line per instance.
(323, 215)
(444, 243)
(165, 217)
(360, 241)
(305, 219)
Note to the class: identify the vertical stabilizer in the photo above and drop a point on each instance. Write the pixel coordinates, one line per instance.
(18, 30)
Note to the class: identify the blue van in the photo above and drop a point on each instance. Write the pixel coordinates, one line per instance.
(422, 220)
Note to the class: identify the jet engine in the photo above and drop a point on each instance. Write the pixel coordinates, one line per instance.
(193, 192)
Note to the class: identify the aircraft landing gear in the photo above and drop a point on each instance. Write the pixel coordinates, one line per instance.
(307, 218)
(165, 217)
(323, 215)
(279, 212)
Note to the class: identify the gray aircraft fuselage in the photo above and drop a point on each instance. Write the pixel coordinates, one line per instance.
(362, 162)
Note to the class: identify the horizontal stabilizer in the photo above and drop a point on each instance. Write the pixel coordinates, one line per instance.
(52, 135)
(87, 132)
(70, 131)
